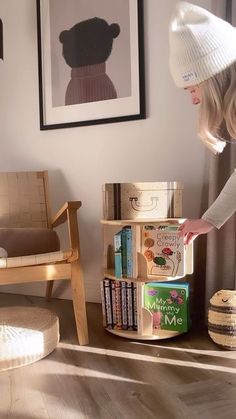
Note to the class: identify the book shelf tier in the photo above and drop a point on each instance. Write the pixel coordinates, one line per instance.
(129, 334)
(110, 273)
(143, 221)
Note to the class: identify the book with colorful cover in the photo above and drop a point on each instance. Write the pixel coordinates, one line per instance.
(129, 252)
(118, 306)
(135, 249)
(135, 305)
(130, 305)
(169, 305)
(113, 302)
(108, 303)
(163, 250)
(104, 320)
(126, 251)
(124, 307)
(118, 254)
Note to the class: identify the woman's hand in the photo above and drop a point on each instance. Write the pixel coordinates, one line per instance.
(190, 229)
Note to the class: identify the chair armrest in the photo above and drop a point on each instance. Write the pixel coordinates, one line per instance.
(62, 215)
(69, 212)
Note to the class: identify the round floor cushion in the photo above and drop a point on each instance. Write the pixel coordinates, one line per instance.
(27, 334)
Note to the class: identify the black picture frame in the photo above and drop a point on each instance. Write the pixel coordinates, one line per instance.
(130, 105)
(1, 39)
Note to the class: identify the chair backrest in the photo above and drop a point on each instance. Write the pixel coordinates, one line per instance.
(24, 199)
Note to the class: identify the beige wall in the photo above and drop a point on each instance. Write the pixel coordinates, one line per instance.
(80, 160)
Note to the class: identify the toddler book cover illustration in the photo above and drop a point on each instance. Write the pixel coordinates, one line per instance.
(168, 305)
(163, 250)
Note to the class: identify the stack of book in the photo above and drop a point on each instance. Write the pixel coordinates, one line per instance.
(119, 304)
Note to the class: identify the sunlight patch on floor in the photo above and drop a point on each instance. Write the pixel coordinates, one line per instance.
(146, 358)
(220, 352)
(92, 373)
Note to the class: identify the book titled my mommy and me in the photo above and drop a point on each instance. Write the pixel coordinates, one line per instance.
(169, 305)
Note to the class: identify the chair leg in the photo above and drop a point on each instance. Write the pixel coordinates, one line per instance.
(49, 290)
(78, 295)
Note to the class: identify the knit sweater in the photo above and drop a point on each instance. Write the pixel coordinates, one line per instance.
(225, 204)
(89, 84)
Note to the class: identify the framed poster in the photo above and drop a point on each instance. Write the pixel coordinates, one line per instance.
(90, 61)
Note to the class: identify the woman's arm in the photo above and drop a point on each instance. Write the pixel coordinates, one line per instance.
(224, 206)
(219, 212)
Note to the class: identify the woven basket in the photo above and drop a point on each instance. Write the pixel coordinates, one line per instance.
(27, 334)
(222, 318)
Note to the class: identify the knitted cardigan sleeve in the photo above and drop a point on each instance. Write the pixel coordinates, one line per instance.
(225, 204)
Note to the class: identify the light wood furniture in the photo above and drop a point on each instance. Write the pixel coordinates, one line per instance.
(144, 316)
(24, 202)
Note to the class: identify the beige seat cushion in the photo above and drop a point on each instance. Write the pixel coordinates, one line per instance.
(27, 334)
(28, 241)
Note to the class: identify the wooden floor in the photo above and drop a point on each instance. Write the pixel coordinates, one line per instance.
(185, 377)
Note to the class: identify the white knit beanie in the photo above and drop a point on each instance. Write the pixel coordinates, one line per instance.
(201, 44)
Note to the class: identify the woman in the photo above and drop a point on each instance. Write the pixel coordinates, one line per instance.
(203, 61)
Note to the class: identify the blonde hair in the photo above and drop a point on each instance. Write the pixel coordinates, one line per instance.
(217, 116)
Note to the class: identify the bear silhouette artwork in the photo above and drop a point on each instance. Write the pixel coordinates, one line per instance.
(86, 47)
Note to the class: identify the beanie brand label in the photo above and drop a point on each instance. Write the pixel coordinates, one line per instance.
(189, 76)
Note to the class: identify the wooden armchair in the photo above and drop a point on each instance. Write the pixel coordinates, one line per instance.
(24, 203)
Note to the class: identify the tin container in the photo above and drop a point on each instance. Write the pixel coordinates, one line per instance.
(146, 200)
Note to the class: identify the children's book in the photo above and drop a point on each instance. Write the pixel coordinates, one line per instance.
(169, 305)
(108, 303)
(130, 306)
(124, 306)
(163, 250)
(135, 309)
(118, 305)
(126, 250)
(104, 320)
(118, 254)
(113, 302)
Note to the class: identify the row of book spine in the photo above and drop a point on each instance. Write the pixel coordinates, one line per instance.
(119, 304)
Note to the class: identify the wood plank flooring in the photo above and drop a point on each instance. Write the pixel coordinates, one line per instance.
(187, 377)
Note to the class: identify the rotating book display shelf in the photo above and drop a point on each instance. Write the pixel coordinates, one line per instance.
(141, 272)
